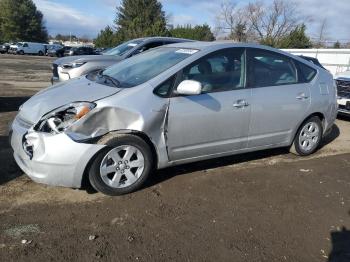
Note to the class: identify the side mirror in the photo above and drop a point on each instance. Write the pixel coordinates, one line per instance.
(189, 87)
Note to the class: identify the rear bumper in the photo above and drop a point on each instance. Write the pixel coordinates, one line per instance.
(57, 160)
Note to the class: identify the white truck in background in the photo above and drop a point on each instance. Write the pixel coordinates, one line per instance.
(31, 48)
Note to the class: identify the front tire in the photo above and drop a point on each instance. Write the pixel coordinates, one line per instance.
(40, 53)
(123, 167)
(308, 137)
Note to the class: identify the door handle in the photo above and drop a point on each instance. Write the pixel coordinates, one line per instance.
(302, 96)
(240, 104)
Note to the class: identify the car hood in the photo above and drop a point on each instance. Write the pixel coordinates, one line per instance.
(87, 58)
(75, 90)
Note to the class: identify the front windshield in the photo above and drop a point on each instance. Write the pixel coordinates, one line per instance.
(123, 48)
(141, 68)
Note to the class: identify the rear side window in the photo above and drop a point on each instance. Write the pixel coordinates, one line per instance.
(268, 68)
(306, 73)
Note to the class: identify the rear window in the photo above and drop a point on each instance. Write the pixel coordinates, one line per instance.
(306, 73)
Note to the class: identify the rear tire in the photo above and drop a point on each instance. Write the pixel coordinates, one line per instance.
(122, 167)
(308, 138)
(40, 53)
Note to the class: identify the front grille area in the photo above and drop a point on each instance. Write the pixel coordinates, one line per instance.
(343, 87)
(344, 108)
(55, 70)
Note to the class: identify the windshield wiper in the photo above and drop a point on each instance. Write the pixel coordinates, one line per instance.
(114, 81)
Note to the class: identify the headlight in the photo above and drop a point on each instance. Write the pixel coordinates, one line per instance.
(62, 118)
(73, 65)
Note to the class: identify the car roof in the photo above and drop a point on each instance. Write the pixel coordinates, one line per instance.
(217, 45)
(201, 45)
(157, 38)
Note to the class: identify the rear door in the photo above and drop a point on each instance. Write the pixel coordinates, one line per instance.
(279, 101)
(216, 121)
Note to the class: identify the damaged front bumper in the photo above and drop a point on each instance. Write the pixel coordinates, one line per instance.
(52, 159)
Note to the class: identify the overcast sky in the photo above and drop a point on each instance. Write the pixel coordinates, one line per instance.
(87, 17)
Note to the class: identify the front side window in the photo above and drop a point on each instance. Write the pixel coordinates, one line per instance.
(141, 68)
(268, 68)
(222, 70)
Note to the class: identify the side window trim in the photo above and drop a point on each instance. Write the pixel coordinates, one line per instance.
(301, 77)
(296, 68)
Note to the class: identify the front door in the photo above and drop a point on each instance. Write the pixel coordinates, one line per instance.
(216, 121)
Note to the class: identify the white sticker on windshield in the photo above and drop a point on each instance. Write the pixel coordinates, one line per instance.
(187, 51)
(132, 44)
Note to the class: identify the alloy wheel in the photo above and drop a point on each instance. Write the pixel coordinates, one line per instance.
(122, 166)
(309, 136)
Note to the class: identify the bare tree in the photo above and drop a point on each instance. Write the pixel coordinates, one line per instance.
(260, 22)
(234, 20)
(273, 22)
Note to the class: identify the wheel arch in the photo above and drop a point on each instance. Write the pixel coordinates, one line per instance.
(85, 178)
(320, 115)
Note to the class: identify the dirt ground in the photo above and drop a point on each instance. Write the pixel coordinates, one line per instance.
(265, 206)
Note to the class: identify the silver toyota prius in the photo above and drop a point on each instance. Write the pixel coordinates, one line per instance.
(168, 106)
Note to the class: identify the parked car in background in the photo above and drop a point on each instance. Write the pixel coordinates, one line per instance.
(31, 48)
(59, 52)
(99, 51)
(13, 48)
(172, 105)
(72, 67)
(343, 85)
(54, 50)
(4, 48)
(81, 50)
(313, 60)
(52, 47)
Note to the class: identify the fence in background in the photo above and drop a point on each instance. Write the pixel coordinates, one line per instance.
(335, 60)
